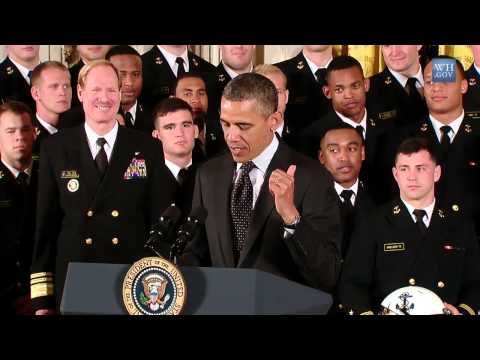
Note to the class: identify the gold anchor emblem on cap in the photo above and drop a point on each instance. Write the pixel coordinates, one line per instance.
(300, 65)
(468, 128)
(396, 210)
(455, 207)
(440, 213)
(158, 61)
(472, 81)
(388, 80)
(424, 127)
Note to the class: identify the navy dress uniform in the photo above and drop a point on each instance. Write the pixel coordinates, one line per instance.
(74, 71)
(390, 104)
(389, 252)
(306, 102)
(471, 99)
(17, 227)
(84, 217)
(42, 134)
(13, 85)
(460, 162)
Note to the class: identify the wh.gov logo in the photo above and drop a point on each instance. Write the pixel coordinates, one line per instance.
(443, 70)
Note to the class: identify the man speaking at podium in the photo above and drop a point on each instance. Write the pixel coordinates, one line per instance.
(269, 208)
(101, 186)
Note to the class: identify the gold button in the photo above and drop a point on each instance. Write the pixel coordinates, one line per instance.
(114, 213)
(115, 241)
(88, 241)
(441, 284)
(89, 213)
(411, 281)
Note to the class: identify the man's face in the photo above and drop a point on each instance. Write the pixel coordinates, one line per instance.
(342, 154)
(23, 52)
(100, 96)
(402, 58)
(247, 133)
(347, 88)
(238, 57)
(130, 69)
(176, 132)
(416, 175)
(476, 54)
(281, 86)
(93, 52)
(443, 97)
(317, 48)
(193, 91)
(16, 138)
(53, 91)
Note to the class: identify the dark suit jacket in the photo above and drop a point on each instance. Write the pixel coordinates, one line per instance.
(460, 179)
(306, 102)
(310, 257)
(42, 134)
(74, 71)
(471, 99)
(17, 226)
(389, 103)
(83, 218)
(184, 192)
(13, 86)
(373, 269)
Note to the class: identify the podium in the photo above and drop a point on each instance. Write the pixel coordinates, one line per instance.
(96, 289)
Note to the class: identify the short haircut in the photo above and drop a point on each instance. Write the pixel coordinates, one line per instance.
(188, 75)
(341, 126)
(82, 76)
(122, 50)
(253, 87)
(18, 108)
(341, 63)
(416, 144)
(459, 64)
(170, 105)
(40, 68)
(267, 69)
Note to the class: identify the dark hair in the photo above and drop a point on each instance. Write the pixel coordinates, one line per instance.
(170, 105)
(188, 75)
(414, 145)
(16, 107)
(341, 63)
(251, 86)
(459, 64)
(341, 126)
(37, 71)
(122, 50)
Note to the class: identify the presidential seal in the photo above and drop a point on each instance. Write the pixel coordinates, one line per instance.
(154, 286)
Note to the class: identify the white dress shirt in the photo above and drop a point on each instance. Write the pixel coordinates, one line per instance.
(133, 111)
(174, 168)
(23, 70)
(429, 210)
(15, 172)
(402, 79)
(232, 73)
(455, 125)
(313, 67)
(355, 124)
(339, 188)
(110, 138)
(172, 59)
(50, 128)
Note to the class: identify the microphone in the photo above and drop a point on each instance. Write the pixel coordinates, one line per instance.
(187, 232)
(163, 230)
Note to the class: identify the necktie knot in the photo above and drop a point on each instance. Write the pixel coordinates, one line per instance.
(445, 139)
(320, 74)
(29, 74)
(360, 130)
(419, 215)
(410, 86)
(129, 119)
(347, 196)
(101, 142)
(247, 167)
(182, 176)
(22, 178)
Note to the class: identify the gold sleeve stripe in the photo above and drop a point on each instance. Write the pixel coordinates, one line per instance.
(467, 308)
(40, 274)
(370, 312)
(40, 290)
(41, 280)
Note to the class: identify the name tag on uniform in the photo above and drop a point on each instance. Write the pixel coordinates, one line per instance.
(69, 174)
(394, 247)
(387, 115)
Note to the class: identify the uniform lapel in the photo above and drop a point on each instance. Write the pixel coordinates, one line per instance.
(162, 66)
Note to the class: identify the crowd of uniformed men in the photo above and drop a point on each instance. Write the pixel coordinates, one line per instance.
(308, 170)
